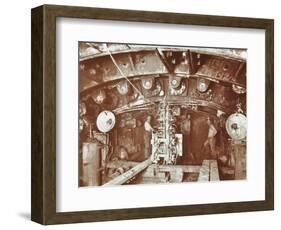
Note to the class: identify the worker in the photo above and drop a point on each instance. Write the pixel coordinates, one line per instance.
(148, 129)
(211, 139)
(185, 129)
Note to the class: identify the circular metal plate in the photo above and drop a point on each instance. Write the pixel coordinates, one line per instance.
(123, 87)
(236, 126)
(202, 84)
(175, 82)
(99, 96)
(147, 83)
(105, 121)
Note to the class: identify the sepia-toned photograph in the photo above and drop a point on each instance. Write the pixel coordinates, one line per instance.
(154, 114)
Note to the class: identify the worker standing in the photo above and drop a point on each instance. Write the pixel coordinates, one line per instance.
(148, 129)
(185, 129)
(211, 139)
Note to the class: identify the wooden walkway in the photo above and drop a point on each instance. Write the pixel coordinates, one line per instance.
(209, 171)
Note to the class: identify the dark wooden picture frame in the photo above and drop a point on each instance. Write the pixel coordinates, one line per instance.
(43, 206)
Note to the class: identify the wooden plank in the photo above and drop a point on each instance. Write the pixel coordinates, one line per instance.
(204, 173)
(176, 175)
(164, 168)
(129, 174)
(184, 168)
(152, 175)
(214, 171)
(121, 163)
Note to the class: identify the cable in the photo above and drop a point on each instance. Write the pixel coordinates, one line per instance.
(124, 76)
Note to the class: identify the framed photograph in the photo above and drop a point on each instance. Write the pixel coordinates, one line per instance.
(139, 114)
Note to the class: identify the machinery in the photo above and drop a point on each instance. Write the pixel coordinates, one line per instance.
(166, 143)
(185, 90)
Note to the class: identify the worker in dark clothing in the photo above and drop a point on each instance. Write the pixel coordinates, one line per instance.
(148, 129)
(185, 129)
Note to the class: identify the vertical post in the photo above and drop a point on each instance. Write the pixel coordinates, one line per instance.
(204, 173)
(240, 161)
(91, 164)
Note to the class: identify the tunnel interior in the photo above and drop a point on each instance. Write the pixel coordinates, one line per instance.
(157, 114)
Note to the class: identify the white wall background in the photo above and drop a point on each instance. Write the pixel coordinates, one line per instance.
(15, 113)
